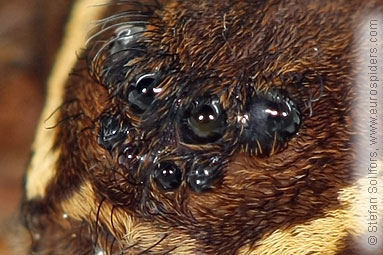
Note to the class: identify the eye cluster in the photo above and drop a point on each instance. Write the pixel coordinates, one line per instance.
(267, 121)
(201, 122)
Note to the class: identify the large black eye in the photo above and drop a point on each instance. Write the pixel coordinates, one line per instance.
(167, 175)
(202, 122)
(271, 119)
(142, 93)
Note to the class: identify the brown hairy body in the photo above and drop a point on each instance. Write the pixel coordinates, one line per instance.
(135, 172)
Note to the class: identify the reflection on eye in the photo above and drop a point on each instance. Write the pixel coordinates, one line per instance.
(167, 175)
(270, 120)
(142, 93)
(112, 131)
(125, 36)
(202, 122)
(201, 177)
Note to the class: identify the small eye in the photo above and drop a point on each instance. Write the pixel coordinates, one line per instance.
(142, 94)
(112, 131)
(167, 175)
(202, 122)
(125, 36)
(111, 53)
(202, 177)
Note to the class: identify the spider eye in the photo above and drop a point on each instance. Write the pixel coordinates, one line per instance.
(202, 122)
(111, 51)
(167, 175)
(271, 120)
(125, 36)
(142, 93)
(112, 131)
(202, 178)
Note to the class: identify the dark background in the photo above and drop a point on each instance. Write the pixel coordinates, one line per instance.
(30, 33)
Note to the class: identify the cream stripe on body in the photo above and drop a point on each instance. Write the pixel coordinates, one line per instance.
(129, 231)
(43, 163)
(324, 236)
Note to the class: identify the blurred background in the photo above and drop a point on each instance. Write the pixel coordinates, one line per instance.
(30, 33)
